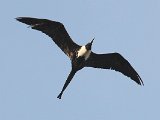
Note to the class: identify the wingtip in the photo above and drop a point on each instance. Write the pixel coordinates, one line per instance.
(22, 18)
(140, 81)
(142, 84)
(18, 18)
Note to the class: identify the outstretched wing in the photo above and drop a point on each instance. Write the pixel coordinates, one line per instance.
(55, 30)
(115, 62)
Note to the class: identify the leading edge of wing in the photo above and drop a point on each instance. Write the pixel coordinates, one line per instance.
(53, 29)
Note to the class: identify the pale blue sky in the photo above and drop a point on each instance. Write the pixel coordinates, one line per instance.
(33, 69)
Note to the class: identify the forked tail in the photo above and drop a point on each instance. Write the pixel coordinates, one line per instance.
(70, 76)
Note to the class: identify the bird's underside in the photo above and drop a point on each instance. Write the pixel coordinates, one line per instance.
(86, 58)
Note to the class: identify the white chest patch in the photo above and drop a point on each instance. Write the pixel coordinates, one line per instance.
(83, 52)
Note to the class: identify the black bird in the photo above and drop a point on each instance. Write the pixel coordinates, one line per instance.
(80, 56)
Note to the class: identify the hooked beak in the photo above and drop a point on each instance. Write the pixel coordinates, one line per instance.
(92, 40)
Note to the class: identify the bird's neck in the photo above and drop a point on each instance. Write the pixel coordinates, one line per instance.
(83, 52)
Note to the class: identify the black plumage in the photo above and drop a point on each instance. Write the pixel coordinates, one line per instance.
(80, 56)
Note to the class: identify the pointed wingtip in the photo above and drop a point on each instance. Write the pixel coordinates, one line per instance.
(18, 18)
(140, 81)
(142, 84)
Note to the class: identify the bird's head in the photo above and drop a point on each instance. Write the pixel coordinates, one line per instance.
(89, 45)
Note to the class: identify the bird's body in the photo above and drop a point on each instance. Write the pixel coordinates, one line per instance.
(80, 56)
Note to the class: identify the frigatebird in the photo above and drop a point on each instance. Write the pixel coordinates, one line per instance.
(80, 56)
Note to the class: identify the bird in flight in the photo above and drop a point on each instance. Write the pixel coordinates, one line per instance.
(80, 56)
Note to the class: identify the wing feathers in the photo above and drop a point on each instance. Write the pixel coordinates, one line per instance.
(115, 62)
(55, 30)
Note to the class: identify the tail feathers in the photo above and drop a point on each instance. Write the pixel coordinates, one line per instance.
(70, 76)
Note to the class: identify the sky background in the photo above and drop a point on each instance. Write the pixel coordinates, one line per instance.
(33, 69)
